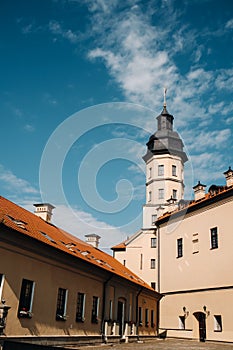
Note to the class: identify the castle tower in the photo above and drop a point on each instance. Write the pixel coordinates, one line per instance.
(164, 160)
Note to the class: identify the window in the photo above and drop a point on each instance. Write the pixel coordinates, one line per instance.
(150, 173)
(153, 219)
(146, 317)
(161, 193)
(181, 322)
(61, 304)
(141, 261)
(152, 263)
(179, 247)
(214, 237)
(124, 262)
(149, 196)
(152, 319)
(217, 323)
(174, 194)
(153, 242)
(153, 285)
(140, 316)
(95, 310)
(26, 299)
(160, 170)
(80, 311)
(195, 243)
(174, 170)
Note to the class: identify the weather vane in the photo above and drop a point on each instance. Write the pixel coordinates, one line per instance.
(164, 96)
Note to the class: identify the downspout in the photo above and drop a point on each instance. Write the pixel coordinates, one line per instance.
(137, 321)
(104, 338)
(158, 310)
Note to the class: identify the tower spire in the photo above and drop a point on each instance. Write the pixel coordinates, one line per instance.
(164, 97)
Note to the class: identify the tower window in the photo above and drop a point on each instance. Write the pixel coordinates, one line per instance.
(160, 170)
(161, 193)
(149, 196)
(153, 219)
(174, 194)
(179, 247)
(150, 173)
(174, 170)
(153, 285)
(214, 237)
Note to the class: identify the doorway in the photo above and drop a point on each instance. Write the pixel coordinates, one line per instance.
(201, 318)
(121, 316)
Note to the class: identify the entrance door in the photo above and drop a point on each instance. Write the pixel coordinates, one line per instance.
(201, 318)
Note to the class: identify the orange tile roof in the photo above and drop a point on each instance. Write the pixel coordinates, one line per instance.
(30, 225)
(195, 203)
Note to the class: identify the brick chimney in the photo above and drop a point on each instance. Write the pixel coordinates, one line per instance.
(199, 191)
(229, 177)
(44, 211)
(93, 239)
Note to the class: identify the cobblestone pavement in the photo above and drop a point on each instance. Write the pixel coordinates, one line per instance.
(168, 344)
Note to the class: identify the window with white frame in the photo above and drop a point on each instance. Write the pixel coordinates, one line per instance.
(61, 304)
(26, 299)
(160, 170)
(95, 309)
(161, 193)
(217, 323)
(80, 310)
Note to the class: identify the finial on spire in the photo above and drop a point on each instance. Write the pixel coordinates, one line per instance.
(164, 97)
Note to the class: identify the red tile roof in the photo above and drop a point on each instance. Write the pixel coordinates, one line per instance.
(30, 225)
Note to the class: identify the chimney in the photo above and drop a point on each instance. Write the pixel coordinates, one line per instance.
(93, 239)
(199, 191)
(171, 204)
(44, 211)
(229, 177)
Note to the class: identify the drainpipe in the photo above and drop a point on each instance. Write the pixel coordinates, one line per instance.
(137, 321)
(104, 337)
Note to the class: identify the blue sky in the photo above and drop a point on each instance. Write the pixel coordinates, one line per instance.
(81, 84)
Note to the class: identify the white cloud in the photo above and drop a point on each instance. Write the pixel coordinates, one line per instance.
(29, 128)
(14, 183)
(229, 24)
(56, 29)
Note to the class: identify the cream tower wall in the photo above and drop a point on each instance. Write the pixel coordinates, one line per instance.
(172, 179)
